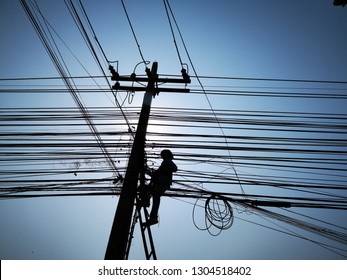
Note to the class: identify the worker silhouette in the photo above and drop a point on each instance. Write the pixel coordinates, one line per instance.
(162, 180)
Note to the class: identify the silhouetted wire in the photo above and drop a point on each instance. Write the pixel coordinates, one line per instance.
(285, 231)
(67, 81)
(93, 31)
(329, 233)
(251, 162)
(105, 57)
(263, 94)
(193, 214)
(274, 80)
(315, 219)
(90, 46)
(133, 32)
(324, 245)
(313, 93)
(172, 31)
(203, 89)
(48, 147)
(86, 38)
(218, 214)
(340, 237)
(209, 77)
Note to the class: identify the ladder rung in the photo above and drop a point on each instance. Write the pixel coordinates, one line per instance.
(149, 253)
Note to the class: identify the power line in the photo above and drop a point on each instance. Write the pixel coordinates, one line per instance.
(67, 81)
(299, 160)
(208, 77)
(202, 87)
(133, 32)
(86, 38)
(166, 3)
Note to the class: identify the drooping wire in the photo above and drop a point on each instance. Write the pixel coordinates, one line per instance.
(218, 214)
(283, 230)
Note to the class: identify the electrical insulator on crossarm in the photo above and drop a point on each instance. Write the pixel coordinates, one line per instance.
(185, 75)
(114, 73)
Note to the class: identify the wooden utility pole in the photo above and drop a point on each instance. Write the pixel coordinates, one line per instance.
(119, 236)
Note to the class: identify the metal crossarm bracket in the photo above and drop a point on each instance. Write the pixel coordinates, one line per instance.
(117, 86)
(154, 80)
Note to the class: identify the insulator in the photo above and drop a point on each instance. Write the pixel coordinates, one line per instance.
(185, 75)
(114, 73)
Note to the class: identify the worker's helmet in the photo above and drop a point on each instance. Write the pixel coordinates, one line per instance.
(166, 154)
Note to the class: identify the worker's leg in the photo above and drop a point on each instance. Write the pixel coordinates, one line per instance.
(155, 207)
(158, 191)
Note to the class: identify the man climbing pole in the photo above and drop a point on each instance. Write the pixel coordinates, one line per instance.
(161, 180)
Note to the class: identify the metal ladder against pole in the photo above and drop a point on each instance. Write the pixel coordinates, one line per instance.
(131, 234)
(149, 254)
(148, 245)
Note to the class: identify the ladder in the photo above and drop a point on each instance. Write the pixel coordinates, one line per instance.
(141, 215)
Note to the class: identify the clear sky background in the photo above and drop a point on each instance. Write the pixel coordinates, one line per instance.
(284, 40)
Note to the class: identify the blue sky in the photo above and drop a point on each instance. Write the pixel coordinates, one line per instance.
(304, 40)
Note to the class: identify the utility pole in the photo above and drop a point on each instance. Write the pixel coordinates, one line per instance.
(119, 236)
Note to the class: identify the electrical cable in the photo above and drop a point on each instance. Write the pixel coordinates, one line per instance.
(303, 153)
(86, 38)
(72, 89)
(133, 32)
(172, 32)
(203, 89)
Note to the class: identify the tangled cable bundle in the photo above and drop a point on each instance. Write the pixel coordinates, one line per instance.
(218, 213)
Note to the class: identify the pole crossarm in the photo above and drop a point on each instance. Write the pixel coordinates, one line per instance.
(134, 78)
(154, 80)
(157, 90)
